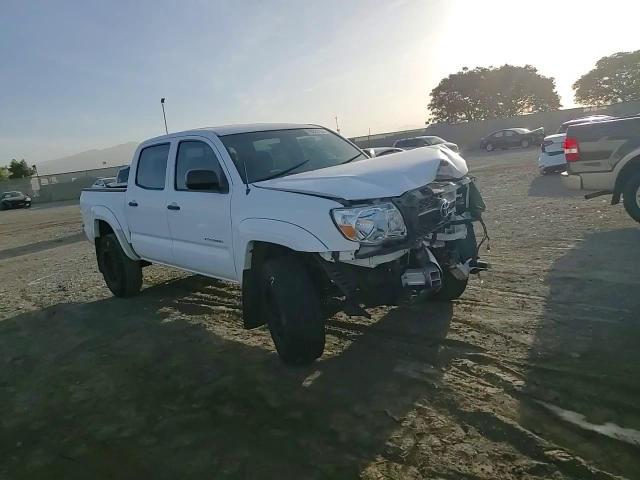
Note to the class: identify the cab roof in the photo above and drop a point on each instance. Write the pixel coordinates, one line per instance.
(223, 130)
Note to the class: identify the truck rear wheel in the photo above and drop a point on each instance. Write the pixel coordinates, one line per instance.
(122, 275)
(293, 311)
(631, 196)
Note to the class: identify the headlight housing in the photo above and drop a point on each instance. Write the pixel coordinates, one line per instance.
(370, 225)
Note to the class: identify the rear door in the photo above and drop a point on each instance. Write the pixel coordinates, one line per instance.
(200, 220)
(146, 205)
(511, 138)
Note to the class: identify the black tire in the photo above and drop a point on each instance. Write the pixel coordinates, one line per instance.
(489, 147)
(525, 143)
(452, 287)
(293, 310)
(631, 196)
(122, 275)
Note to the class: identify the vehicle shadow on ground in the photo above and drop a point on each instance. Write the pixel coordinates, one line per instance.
(551, 186)
(61, 203)
(146, 388)
(583, 383)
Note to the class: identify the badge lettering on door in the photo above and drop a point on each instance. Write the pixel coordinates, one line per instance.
(214, 240)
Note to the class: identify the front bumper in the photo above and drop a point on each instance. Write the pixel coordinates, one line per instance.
(21, 204)
(546, 161)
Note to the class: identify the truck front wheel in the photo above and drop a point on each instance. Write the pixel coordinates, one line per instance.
(293, 311)
(122, 275)
(452, 287)
(631, 196)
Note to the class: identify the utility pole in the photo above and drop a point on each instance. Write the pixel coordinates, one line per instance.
(369, 138)
(337, 126)
(166, 130)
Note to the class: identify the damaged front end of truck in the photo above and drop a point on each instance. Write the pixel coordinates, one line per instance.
(430, 245)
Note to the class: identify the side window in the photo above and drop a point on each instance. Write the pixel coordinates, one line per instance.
(509, 133)
(152, 167)
(497, 135)
(195, 155)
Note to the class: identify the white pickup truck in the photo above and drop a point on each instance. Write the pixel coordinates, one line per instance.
(297, 215)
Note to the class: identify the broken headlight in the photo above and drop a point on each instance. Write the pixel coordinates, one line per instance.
(370, 225)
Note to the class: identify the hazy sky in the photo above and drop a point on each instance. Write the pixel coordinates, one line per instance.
(89, 74)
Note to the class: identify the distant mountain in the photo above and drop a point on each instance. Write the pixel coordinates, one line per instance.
(89, 160)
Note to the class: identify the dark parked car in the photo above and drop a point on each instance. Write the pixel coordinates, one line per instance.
(512, 137)
(424, 141)
(14, 200)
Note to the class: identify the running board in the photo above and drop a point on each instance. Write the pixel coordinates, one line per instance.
(591, 195)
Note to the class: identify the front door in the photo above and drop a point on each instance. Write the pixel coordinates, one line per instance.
(146, 205)
(200, 220)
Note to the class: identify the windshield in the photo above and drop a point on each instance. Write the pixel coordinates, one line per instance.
(277, 153)
(11, 194)
(410, 142)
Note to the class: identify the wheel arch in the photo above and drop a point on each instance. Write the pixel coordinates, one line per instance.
(628, 168)
(105, 222)
(267, 235)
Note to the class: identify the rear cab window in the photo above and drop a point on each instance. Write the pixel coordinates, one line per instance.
(151, 172)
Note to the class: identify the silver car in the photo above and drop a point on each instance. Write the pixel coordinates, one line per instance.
(381, 151)
(424, 141)
(103, 182)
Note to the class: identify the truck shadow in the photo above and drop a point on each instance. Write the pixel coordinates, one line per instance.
(583, 379)
(551, 186)
(152, 388)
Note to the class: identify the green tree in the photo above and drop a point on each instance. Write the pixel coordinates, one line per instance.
(20, 169)
(492, 92)
(614, 79)
(4, 173)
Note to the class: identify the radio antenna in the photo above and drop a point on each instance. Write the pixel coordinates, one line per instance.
(246, 175)
(166, 130)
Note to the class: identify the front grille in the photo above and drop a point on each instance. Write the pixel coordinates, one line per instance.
(426, 209)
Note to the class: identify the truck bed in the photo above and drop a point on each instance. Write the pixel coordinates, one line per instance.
(111, 199)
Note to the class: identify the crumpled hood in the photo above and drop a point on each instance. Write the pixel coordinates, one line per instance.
(379, 177)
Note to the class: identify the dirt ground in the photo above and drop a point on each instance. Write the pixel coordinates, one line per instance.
(534, 373)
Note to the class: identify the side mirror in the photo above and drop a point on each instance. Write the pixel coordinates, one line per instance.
(203, 180)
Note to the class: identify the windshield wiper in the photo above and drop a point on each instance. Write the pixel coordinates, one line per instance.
(284, 172)
(352, 159)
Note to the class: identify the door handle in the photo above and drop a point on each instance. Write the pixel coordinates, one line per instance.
(133, 204)
(173, 206)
